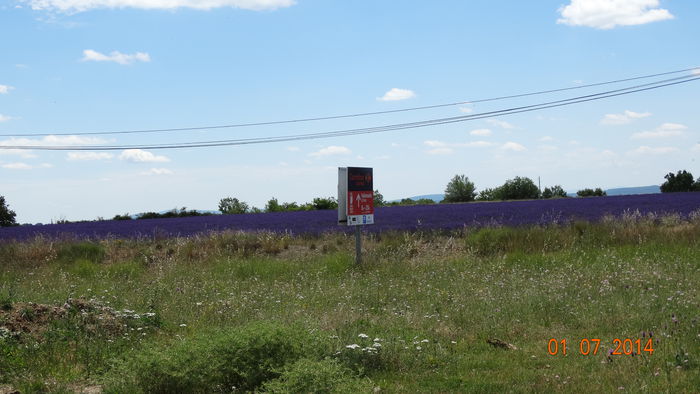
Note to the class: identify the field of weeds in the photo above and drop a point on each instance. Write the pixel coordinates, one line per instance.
(426, 312)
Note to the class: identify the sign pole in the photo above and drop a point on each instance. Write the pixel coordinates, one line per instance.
(358, 246)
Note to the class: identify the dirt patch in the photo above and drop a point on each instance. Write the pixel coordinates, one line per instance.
(31, 320)
(7, 389)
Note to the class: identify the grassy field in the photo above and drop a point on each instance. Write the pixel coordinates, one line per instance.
(472, 311)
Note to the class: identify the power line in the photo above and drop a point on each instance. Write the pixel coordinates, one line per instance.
(384, 128)
(313, 119)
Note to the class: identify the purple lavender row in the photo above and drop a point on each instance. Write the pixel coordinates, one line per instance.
(406, 218)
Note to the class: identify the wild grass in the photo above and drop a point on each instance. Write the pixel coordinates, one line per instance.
(265, 312)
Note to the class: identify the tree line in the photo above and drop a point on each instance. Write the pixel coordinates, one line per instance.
(459, 189)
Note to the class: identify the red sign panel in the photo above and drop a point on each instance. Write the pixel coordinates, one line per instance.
(360, 203)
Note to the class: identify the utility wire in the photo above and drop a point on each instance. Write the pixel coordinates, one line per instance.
(379, 129)
(313, 119)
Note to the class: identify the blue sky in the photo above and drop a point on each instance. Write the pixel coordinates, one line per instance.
(75, 66)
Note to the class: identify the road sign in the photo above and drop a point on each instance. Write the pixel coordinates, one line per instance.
(355, 196)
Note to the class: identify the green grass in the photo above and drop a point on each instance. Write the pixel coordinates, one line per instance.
(430, 300)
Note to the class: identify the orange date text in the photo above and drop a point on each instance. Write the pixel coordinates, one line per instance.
(591, 346)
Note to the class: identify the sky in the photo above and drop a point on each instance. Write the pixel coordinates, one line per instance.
(78, 66)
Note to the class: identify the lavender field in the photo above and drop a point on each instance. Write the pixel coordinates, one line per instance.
(406, 218)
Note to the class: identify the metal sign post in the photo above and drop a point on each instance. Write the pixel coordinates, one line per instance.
(358, 246)
(355, 201)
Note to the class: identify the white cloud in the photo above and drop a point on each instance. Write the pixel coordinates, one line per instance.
(500, 123)
(49, 140)
(476, 144)
(447, 148)
(623, 118)
(472, 144)
(23, 153)
(70, 140)
(440, 151)
(5, 89)
(696, 148)
(481, 132)
(293, 148)
(396, 94)
(665, 130)
(74, 6)
(117, 57)
(546, 138)
(331, 150)
(514, 146)
(607, 14)
(141, 156)
(4, 118)
(466, 110)
(548, 148)
(647, 150)
(24, 166)
(695, 71)
(16, 166)
(157, 171)
(85, 156)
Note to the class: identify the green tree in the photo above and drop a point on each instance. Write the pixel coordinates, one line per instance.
(555, 191)
(459, 189)
(273, 206)
(488, 194)
(7, 216)
(518, 188)
(325, 203)
(598, 192)
(680, 182)
(230, 206)
(290, 206)
(379, 199)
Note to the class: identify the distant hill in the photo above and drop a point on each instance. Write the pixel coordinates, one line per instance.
(434, 197)
(622, 191)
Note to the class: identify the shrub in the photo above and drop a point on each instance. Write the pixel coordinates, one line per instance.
(325, 376)
(238, 360)
(87, 251)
